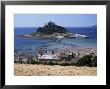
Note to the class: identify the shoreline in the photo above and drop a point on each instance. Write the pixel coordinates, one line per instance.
(53, 36)
(78, 49)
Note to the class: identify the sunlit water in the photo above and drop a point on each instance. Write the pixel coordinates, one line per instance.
(33, 43)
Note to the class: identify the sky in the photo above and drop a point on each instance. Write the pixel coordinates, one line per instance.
(65, 20)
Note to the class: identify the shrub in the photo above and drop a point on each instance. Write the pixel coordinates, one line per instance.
(51, 63)
(33, 61)
(84, 61)
(18, 62)
(94, 61)
(44, 63)
(65, 64)
(72, 64)
(55, 63)
(28, 61)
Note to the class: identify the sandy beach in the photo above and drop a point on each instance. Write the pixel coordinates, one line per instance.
(56, 70)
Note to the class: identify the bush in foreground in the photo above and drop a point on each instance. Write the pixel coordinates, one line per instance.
(87, 60)
(84, 61)
(94, 61)
(65, 64)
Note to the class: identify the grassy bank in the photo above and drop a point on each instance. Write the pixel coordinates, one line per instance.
(56, 70)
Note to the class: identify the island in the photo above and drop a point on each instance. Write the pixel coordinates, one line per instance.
(58, 58)
(52, 31)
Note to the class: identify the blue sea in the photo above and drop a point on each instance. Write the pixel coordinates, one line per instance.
(32, 43)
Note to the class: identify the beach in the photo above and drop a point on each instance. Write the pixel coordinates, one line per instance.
(56, 70)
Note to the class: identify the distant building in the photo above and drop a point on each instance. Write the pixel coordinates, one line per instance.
(48, 57)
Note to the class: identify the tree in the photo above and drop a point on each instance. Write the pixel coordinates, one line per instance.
(84, 61)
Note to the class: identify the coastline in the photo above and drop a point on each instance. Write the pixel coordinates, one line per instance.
(53, 36)
(65, 49)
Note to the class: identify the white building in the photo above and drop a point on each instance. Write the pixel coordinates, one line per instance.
(47, 56)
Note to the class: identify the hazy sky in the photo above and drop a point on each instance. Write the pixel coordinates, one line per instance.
(65, 20)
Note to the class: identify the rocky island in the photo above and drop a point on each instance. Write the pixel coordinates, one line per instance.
(52, 31)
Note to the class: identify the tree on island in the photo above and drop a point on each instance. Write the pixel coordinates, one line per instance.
(51, 28)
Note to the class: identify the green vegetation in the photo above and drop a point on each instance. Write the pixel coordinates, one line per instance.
(94, 61)
(84, 61)
(36, 33)
(65, 64)
(51, 28)
(87, 60)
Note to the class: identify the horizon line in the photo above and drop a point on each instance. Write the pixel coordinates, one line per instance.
(63, 26)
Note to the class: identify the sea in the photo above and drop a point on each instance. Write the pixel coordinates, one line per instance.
(25, 44)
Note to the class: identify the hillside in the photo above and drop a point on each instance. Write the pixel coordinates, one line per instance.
(51, 28)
